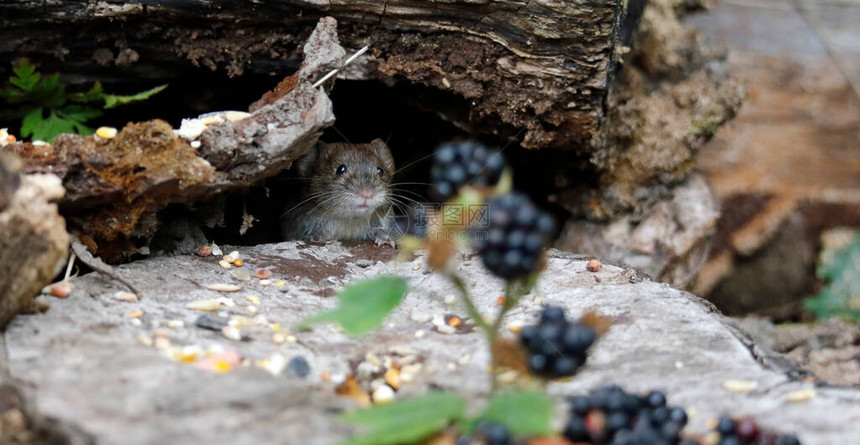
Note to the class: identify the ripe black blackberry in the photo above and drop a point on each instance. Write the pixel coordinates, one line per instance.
(556, 347)
(460, 163)
(612, 416)
(488, 433)
(745, 431)
(511, 241)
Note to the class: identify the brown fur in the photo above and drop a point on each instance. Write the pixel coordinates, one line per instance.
(330, 209)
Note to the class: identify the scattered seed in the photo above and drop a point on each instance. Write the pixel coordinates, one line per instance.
(204, 305)
(325, 376)
(234, 254)
(416, 266)
(204, 251)
(265, 282)
(195, 144)
(802, 395)
(420, 333)
(234, 116)
(292, 339)
(279, 338)
(128, 297)
(226, 301)
(500, 301)
(144, 340)
(445, 329)
(238, 262)
(538, 299)
(136, 322)
(221, 287)
(263, 274)
(516, 326)
(446, 83)
(207, 322)
(228, 258)
(419, 316)
(593, 266)
(61, 290)
(253, 299)
(135, 314)
(450, 299)
(740, 386)
(232, 332)
(392, 378)
(274, 364)
(252, 309)
(225, 264)
(382, 395)
(175, 324)
(106, 132)
(216, 250)
(454, 321)
(298, 367)
(508, 376)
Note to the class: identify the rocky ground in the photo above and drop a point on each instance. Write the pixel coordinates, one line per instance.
(106, 369)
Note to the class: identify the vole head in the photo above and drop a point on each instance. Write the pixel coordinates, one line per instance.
(348, 180)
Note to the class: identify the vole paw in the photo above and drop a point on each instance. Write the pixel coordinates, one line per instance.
(385, 240)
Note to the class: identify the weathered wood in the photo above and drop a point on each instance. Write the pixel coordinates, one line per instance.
(116, 186)
(538, 70)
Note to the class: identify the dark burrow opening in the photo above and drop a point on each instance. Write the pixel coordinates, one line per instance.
(412, 119)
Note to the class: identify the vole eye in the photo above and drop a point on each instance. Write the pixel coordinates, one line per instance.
(341, 170)
(379, 171)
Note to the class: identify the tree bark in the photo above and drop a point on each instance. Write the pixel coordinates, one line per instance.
(538, 71)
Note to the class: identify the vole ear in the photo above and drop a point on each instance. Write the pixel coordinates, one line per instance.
(305, 164)
(383, 153)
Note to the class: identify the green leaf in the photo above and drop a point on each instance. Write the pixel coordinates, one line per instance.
(112, 100)
(79, 113)
(26, 76)
(32, 119)
(408, 420)
(95, 93)
(841, 296)
(363, 305)
(524, 413)
(48, 128)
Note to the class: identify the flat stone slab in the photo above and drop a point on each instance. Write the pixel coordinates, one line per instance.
(87, 363)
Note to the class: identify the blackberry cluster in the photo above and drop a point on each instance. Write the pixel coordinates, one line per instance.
(460, 163)
(488, 434)
(556, 347)
(612, 416)
(745, 431)
(510, 241)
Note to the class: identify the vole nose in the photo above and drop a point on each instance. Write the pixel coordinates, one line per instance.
(365, 193)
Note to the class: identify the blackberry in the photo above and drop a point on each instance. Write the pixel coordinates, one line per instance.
(511, 241)
(494, 434)
(556, 347)
(459, 163)
(745, 431)
(610, 415)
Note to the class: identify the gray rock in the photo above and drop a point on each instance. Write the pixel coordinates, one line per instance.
(82, 362)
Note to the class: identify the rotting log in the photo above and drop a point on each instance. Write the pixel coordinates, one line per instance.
(618, 97)
(116, 186)
(539, 70)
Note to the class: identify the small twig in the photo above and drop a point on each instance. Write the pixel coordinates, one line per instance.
(72, 257)
(336, 70)
(97, 264)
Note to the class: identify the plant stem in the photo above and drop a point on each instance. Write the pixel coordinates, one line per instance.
(467, 301)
